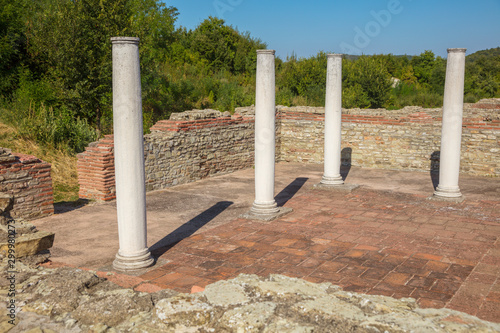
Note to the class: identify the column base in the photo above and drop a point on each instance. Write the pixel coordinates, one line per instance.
(340, 188)
(336, 180)
(132, 263)
(265, 212)
(447, 194)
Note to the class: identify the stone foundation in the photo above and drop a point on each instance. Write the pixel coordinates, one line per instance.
(28, 180)
(196, 144)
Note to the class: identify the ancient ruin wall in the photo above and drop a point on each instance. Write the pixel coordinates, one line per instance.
(407, 139)
(191, 145)
(28, 180)
(197, 144)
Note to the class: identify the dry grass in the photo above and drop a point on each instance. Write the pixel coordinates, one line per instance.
(64, 173)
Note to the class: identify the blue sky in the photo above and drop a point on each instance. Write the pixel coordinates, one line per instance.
(355, 26)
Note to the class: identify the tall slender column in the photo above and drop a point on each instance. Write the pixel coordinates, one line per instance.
(333, 120)
(451, 131)
(129, 156)
(332, 179)
(264, 206)
(265, 134)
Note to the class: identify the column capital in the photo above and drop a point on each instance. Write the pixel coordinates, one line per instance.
(125, 40)
(457, 50)
(334, 55)
(266, 52)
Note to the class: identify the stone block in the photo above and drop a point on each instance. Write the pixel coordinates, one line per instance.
(30, 244)
(5, 202)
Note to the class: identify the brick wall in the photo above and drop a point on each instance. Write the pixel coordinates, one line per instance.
(196, 144)
(28, 180)
(96, 171)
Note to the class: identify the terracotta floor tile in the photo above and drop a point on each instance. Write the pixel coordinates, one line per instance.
(125, 281)
(436, 266)
(284, 241)
(355, 253)
(168, 278)
(295, 252)
(402, 290)
(375, 273)
(489, 311)
(412, 270)
(211, 264)
(153, 274)
(186, 281)
(189, 270)
(397, 278)
(460, 271)
(482, 278)
(353, 270)
(427, 256)
(445, 287)
(148, 288)
(445, 277)
(493, 296)
(295, 271)
(421, 293)
(430, 303)
(254, 269)
(311, 263)
(379, 264)
(394, 260)
(380, 292)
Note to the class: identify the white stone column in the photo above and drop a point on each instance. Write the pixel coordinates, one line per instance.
(451, 132)
(265, 134)
(333, 121)
(129, 156)
(264, 206)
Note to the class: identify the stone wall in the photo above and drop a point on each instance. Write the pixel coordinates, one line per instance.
(28, 180)
(407, 139)
(191, 145)
(196, 144)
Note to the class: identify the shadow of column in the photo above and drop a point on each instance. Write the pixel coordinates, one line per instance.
(288, 192)
(345, 162)
(434, 168)
(188, 228)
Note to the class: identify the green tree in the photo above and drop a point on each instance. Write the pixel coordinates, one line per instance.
(373, 78)
(72, 38)
(12, 44)
(216, 42)
(423, 66)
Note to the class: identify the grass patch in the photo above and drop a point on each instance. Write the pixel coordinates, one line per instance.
(64, 172)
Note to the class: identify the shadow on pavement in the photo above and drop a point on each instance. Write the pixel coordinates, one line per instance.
(434, 169)
(288, 192)
(188, 228)
(345, 164)
(68, 206)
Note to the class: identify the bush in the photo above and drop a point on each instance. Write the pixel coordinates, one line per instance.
(55, 127)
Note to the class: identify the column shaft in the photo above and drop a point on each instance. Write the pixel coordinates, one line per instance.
(265, 133)
(333, 121)
(451, 132)
(129, 156)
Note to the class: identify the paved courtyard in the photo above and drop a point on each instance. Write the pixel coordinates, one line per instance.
(384, 238)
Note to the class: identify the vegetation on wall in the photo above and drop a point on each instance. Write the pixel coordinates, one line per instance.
(55, 69)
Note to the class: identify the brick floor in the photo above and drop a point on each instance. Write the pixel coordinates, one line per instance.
(443, 254)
